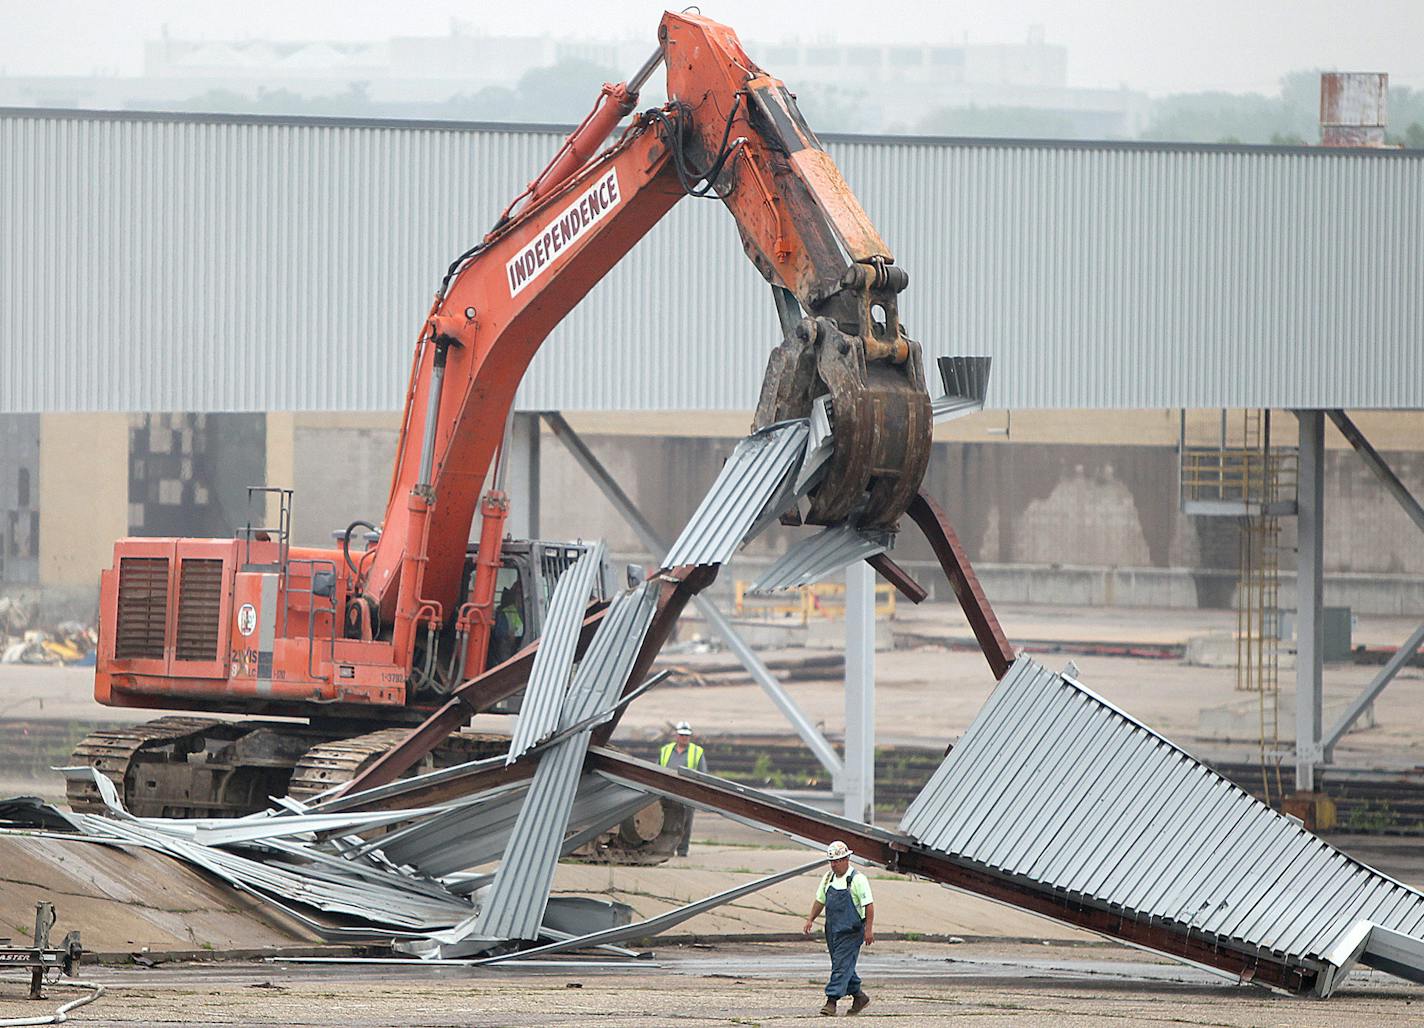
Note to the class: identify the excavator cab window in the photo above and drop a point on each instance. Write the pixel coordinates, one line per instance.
(511, 615)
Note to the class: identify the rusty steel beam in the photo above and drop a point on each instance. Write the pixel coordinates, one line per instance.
(679, 586)
(477, 780)
(955, 562)
(472, 697)
(485, 690)
(902, 854)
(897, 576)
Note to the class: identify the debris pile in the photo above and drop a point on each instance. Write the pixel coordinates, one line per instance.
(22, 641)
(1053, 800)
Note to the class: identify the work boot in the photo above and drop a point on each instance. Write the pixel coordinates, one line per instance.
(829, 1010)
(860, 1002)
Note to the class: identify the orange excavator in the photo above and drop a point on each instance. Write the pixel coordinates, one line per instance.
(363, 644)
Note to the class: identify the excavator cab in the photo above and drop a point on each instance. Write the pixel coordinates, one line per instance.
(529, 570)
(511, 616)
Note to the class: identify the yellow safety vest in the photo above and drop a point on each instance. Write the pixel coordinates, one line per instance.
(694, 754)
(513, 620)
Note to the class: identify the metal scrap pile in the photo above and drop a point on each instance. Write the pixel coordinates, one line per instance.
(1053, 800)
(391, 864)
(387, 876)
(22, 641)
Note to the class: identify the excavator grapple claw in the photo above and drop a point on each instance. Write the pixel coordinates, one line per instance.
(880, 418)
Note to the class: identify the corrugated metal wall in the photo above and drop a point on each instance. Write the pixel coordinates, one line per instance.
(189, 263)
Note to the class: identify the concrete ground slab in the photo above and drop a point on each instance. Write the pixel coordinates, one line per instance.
(910, 983)
(903, 905)
(125, 900)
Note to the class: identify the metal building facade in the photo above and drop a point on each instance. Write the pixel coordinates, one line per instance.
(160, 262)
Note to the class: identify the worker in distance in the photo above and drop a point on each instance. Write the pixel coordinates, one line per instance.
(850, 920)
(682, 752)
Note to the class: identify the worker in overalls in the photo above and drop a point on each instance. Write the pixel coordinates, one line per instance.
(682, 752)
(850, 920)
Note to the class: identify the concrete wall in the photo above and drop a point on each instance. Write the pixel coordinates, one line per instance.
(189, 474)
(83, 495)
(341, 468)
(19, 498)
(1054, 507)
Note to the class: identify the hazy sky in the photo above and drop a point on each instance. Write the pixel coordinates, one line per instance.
(1159, 46)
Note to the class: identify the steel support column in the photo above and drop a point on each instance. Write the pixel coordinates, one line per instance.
(522, 477)
(1376, 463)
(948, 550)
(859, 779)
(594, 468)
(1309, 628)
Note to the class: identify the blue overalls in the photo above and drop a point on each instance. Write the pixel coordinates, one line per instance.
(845, 931)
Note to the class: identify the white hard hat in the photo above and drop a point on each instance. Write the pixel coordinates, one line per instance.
(837, 851)
(683, 728)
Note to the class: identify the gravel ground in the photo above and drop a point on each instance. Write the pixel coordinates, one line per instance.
(920, 984)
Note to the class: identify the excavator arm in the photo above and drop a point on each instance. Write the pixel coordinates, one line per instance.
(255, 625)
(731, 131)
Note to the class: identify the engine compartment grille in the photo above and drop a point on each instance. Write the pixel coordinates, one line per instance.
(199, 609)
(143, 608)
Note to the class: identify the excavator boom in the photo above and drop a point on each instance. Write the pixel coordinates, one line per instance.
(729, 131)
(255, 625)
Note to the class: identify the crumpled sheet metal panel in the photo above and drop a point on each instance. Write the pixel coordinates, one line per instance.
(752, 477)
(609, 660)
(457, 839)
(1054, 784)
(554, 662)
(389, 900)
(470, 836)
(819, 556)
(662, 922)
(966, 385)
(514, 907)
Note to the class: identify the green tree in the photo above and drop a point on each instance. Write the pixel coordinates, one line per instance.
(1215, 117)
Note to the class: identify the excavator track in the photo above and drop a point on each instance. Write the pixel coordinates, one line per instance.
(649, 836)
(112, 750)
(236, 765)
(646, 837)
(334, 763)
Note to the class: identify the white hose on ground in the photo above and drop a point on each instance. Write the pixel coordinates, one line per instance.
(61, 1014)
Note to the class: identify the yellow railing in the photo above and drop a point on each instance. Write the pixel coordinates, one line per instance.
(1242, 475)
(825, 599)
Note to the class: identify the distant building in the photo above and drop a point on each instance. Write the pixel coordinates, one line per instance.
(874, 88)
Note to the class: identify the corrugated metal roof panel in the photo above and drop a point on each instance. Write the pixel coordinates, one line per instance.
(475, 834)
(662, 922)
(609, 660)
(1053, 784)
(818, 556)
(752, 477)
(514, 907)
(394, 902)
(966, 386)
(554, 662)
(218, 253)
